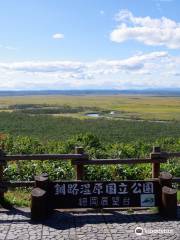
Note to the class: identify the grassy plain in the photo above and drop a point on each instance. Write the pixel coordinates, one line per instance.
(127, 106)
(136, 117)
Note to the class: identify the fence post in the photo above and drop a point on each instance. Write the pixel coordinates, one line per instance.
(42, 181)
(1, 175)
(79, 168)
(40, 206)
(156, 154)
(168, 196)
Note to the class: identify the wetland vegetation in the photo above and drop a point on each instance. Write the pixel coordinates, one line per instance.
(127, 126)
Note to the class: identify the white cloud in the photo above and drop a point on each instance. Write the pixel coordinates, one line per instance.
(58, 36)
(102, 12)
(134, 63)
(150, 31)
(155, 69)
(8, 47)
(43, 66)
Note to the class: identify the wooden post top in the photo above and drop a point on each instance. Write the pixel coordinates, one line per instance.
(157, 153)
(79, 150)
(38, 192)
(40, 178)
(45, 175)
(156, 149)
(165, 176)
(165, 179)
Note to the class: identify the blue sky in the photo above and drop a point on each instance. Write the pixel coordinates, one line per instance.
(81, 44)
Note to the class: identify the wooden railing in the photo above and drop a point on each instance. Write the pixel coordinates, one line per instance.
(79, 159)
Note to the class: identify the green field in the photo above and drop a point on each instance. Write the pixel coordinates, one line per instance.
(131, 107)
(63, 128)
(61, 117)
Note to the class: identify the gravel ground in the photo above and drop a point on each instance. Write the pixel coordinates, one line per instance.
(88, 225)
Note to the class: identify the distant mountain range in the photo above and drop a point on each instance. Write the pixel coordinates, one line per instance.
(154, 92)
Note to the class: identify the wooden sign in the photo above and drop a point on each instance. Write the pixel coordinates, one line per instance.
(107, 194)
(48, 195)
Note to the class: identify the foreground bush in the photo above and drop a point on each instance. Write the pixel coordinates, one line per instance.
(25, 170)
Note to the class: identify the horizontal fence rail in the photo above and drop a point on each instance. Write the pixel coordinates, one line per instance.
(80, 158)
(173, 154)
(176, 180)
(14, 184)
(118, 161)
(43, 157)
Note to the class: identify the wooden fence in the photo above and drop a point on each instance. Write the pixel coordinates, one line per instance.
(79, 159)
(166, 196)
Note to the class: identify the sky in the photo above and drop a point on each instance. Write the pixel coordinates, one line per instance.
(89, 44)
